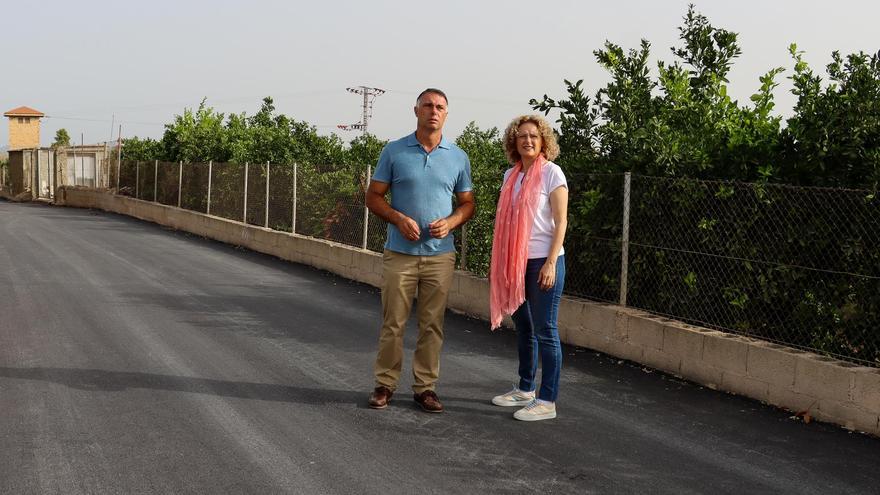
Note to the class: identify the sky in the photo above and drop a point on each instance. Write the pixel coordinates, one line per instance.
(93, 65)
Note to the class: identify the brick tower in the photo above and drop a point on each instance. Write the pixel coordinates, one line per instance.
(24, 128)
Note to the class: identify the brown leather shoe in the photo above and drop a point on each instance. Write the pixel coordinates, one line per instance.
(429, 401)
(379, 397)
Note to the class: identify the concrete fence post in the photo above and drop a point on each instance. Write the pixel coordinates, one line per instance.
(210, 175)
(137, 177)
(101, 177)
(463, 265)
(118, 161)
(244, 209)
(155, 180)
(293, 216)
(624, 240)
(37, 187)
(266, 224)
(179, 183)
(366, 210)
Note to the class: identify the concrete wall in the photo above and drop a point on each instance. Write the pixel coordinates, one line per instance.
(64, 159)
(802, 382)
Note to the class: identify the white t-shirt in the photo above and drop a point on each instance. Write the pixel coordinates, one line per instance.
(544, 226)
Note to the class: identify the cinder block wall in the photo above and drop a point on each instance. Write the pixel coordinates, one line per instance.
(802, 382)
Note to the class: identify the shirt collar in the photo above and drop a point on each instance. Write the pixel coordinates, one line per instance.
(412, 141)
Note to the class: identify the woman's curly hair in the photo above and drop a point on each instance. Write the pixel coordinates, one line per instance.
(549, 146)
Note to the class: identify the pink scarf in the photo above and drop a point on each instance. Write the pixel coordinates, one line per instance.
(513, 228)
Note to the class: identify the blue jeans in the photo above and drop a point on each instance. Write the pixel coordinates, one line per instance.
(537, 331)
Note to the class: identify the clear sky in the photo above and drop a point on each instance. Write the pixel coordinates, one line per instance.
(83, 62)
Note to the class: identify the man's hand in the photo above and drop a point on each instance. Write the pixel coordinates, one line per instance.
(439, 228)
(408, 228)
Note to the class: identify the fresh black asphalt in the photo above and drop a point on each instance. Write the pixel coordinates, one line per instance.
(135, 359)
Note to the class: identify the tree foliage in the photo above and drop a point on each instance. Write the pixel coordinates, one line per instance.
(62, 138)
(138, 149)
(203, 135)
(488, 163)
(681, 123)
(833, 138)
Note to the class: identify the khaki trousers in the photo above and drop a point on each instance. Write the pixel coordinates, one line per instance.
(404, 274)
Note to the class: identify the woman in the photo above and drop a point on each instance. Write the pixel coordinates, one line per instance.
(527, 270)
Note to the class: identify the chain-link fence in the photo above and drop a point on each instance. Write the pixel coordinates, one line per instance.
(798, 266)
(194, 186)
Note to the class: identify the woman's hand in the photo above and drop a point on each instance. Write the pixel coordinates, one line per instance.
(547, 275)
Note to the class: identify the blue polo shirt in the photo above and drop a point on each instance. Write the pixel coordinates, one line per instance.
(422, 187)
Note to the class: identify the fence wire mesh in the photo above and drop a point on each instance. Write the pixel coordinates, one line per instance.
(330, 203)
(376, 233)
(127, 178)
(227, 191)
(168, 183)
(256, 194)
(797, 266)
(194, 194)
(281, 197)
(112, 168)
(146, 187)
(593, 239)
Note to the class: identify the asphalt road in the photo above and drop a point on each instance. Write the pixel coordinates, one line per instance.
(134, 359)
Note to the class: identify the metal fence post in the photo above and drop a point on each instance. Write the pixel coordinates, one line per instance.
(244, 209)
(210, 173)
(179, 182)
(293, 216)
(267, 195)
(366, 210)
(137, 177)
(624, 240)
(155, 181)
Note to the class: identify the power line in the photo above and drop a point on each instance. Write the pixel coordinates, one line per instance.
(455, 97)
(231, 99)
(58, 117)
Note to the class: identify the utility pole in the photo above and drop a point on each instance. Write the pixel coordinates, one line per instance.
(369, 95)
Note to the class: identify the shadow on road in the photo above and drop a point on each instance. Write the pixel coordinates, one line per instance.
(117, 381)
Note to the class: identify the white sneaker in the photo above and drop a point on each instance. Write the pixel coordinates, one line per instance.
(515, 397)
(536, 411)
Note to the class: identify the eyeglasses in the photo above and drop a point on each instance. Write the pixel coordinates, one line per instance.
(523, 136)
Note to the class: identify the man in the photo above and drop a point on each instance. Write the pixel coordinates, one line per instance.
(423, 171)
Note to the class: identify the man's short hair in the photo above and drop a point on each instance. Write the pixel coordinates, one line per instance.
(432, 90)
